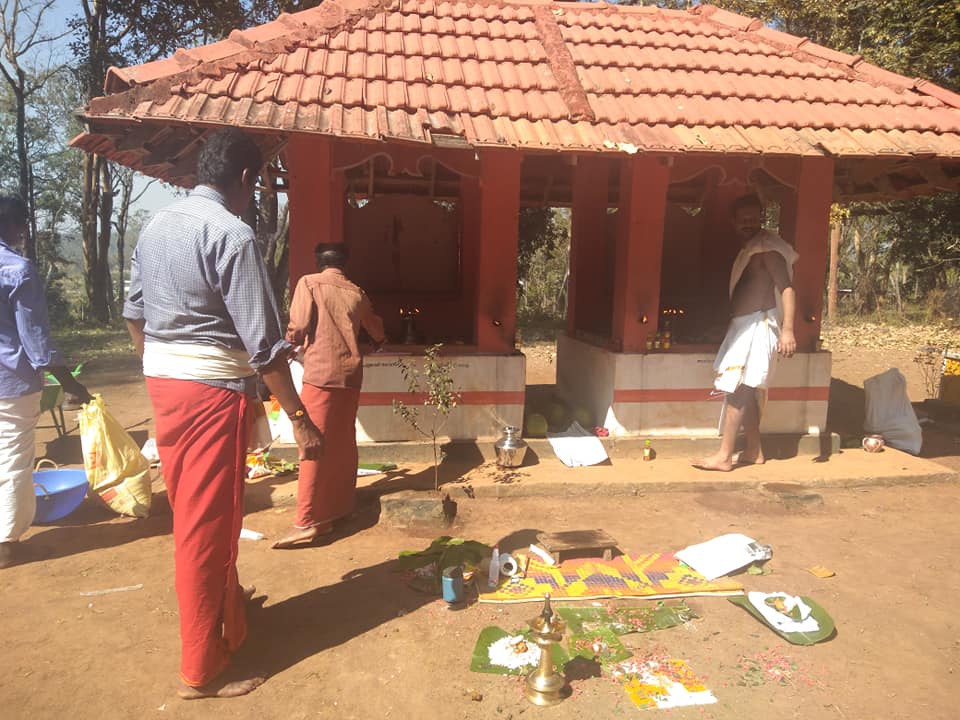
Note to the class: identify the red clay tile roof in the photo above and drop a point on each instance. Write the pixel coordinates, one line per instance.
(534, 75)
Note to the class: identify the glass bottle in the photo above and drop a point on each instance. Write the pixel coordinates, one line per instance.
(647, 451)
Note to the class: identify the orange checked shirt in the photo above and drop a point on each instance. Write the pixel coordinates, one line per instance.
(326, 315)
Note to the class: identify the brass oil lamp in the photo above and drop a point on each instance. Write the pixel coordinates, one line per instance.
(408, 317)
(545, 686)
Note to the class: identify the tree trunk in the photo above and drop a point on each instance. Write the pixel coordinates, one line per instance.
(836, 230)
(88, 223)
(23, 162)
(120, 225)
(896, 287)
(101, 302)
(97, 189)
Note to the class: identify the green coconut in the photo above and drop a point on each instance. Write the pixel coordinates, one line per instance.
(558, 416)
(583, 416)
(536, 425)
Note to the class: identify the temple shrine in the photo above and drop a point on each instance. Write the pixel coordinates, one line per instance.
(415, 131)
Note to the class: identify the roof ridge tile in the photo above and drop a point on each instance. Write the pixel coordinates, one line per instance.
(562, 64)
(727, 18)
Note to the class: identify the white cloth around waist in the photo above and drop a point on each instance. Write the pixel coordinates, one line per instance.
(749, 351)
(194, 361)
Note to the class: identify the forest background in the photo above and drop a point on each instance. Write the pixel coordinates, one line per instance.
(897, 260)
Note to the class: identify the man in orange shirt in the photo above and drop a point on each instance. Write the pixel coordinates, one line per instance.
(327, 314)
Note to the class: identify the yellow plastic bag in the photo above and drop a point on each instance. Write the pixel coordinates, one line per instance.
(116, 469)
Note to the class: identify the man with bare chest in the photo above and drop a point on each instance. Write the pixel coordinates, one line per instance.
(763, 305)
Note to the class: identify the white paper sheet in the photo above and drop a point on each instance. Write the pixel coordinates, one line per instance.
(723, 554)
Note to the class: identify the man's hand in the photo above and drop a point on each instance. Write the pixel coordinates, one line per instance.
(787, 344)
(309, 439)
(76, 394)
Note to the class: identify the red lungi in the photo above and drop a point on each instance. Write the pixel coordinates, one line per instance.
(202, 442)
(327, 488)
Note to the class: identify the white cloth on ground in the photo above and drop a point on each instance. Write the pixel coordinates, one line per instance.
(18, 503)
(889, 411)
(748, 354)
(780, 621)
(194, 361)
(576, 447)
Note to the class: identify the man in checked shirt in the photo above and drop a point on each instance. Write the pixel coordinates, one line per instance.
(202, 315)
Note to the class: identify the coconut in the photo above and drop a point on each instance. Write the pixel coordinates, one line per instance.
(558, 416)
(584, 417)
(536, 425)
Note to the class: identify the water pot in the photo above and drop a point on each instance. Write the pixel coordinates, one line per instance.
(510, 448)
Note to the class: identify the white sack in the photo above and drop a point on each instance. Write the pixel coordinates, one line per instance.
(889, 412)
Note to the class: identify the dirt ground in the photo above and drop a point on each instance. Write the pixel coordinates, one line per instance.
(340, 635)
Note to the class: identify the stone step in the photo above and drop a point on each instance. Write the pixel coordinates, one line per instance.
(775, 447)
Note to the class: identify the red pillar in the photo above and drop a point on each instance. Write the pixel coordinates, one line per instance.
(806, 221)
(588, 259)
(496, 277)
(639, 250)
(316, 201)
(470, 246)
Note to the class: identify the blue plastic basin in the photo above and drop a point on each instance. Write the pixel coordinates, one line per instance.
(59, 493)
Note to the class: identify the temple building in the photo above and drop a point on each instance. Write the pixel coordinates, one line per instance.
(415, 131)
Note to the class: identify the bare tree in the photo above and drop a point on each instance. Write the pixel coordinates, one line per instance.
(123, 184)
(23, 37)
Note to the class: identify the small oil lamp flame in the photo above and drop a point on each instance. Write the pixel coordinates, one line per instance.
(409, 317)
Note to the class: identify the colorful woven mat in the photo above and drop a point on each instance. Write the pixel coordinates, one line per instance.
(658, 575)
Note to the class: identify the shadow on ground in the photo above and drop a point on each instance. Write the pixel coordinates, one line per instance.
(93, 527)
(290, 631)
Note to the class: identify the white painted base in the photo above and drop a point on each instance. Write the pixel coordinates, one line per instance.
(492, 391)
(669, 393)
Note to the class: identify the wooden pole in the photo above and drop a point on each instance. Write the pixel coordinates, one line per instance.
(836, 229)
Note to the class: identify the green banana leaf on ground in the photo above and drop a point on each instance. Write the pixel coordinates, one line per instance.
(600, 644)
(379, 467)
(489, 635)
(827, 627)
(442, 553)
(624, 620)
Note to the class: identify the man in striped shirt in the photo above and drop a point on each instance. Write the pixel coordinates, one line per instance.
(202, 315)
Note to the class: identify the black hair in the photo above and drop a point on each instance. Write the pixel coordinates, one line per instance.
(225, 155)
(745, 201)
(13, 211)
(331, 255)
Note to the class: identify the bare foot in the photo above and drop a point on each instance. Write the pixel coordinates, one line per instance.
(304, 536)
(714, 462)
(221, 689)
(745, 458)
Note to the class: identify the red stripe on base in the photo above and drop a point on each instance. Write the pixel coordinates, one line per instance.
(807, 394)
(468, 397)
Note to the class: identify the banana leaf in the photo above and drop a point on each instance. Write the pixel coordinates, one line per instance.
(489, 635)
(827, 628)
(379, 467)
(445, 552)
(601, 644)
(626, 620)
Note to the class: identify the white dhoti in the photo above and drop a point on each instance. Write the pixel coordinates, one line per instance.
(18, 422)
(748, 354)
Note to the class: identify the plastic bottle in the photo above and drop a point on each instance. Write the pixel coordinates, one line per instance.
(647, 451)
(493, 576)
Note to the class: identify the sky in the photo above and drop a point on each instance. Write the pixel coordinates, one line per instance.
(157, 194)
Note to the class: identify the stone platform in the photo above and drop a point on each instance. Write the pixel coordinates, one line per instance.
(472, 474)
